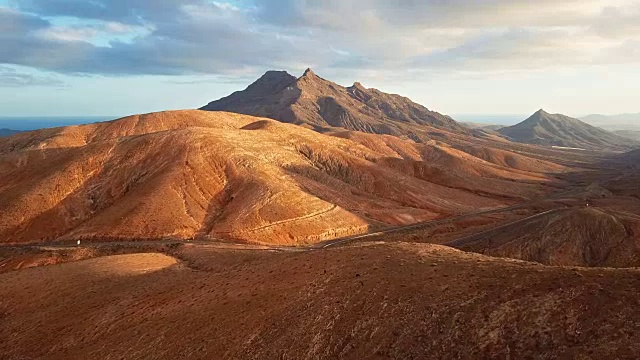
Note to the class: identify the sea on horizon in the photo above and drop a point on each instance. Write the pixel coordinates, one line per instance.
(41, 122)
(491, 119)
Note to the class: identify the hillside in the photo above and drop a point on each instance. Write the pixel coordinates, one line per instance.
(567, 237)
(547, 129)
(320, 104)
(198, 174)
(401, 301)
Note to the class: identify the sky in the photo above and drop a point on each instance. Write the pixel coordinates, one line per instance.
(120, 57)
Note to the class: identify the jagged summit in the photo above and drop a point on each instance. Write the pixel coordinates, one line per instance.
(321, 104)
(309, 73)
(311, 81)
(543, 128)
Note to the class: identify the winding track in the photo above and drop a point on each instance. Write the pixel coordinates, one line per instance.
(473, 237)
(324, 244)
(317, 246)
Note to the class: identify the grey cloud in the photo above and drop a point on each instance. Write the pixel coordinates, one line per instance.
(353, 14)
(495, 46)
(200, 36)
(13, 22)
(206, 42)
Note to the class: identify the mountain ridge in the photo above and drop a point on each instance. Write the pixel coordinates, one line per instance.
(315, 102)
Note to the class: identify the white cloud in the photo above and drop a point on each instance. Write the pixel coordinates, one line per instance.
(67, 34)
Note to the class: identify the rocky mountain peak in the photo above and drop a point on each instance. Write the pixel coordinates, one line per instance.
(358, 86)
(309, 73)
(272, 80)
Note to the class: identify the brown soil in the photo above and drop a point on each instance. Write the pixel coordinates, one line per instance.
(17, 258)
(577, 237)
(369, 301)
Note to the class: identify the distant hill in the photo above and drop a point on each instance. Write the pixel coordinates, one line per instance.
(618, 122)
(629, 134)
(7, 132)
(473, 125)
(321, 104)
(543, 128)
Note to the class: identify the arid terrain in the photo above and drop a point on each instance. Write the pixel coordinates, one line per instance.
(372, 300)
(216, 175)
(363, 226)
(319, 180)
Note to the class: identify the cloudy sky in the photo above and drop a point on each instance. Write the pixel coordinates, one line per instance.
(117, 57)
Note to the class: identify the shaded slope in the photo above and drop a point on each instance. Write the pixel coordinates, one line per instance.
(575, 237)
(631, 158)
(399, 301)
(558, 130)
(313, 101)
(197, 174)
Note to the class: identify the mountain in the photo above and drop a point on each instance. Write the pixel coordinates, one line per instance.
(324, 106)
(7, 132)
(620, 122)
(543, 128)
(201, 174)
(321, 104)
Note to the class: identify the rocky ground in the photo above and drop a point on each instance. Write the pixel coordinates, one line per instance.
(370, 300)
